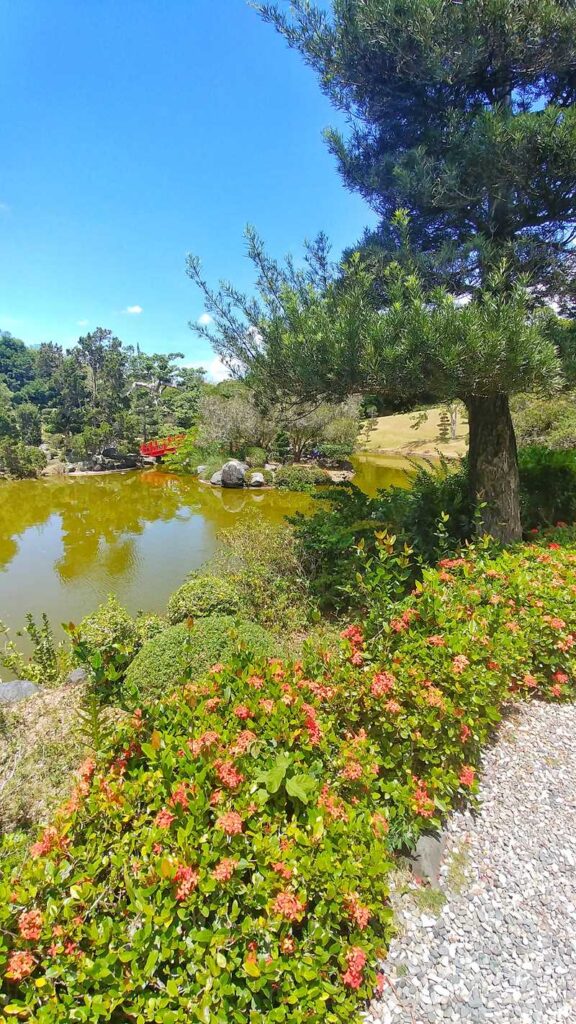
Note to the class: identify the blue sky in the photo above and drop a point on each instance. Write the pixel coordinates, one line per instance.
(134, 132)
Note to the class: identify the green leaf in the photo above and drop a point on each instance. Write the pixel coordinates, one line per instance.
(274, 778)
(301, 786)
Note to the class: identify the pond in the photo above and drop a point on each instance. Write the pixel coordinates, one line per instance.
(65, 542)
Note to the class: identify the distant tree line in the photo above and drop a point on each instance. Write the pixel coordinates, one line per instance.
(99, 392)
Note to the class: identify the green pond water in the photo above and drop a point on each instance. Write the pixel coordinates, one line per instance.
(66, 543)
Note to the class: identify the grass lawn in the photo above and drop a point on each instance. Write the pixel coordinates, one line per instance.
(400, 435)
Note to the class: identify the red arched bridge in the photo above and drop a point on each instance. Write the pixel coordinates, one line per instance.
(162, 445)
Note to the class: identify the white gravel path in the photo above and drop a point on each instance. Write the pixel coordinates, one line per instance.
(502, 949)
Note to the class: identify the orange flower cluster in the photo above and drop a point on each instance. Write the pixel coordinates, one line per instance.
(360, 915)
(185, 880)
(225, 869)
(231, 823)
(288, 905)
(20, 965)
(30, 925)
(356, 960)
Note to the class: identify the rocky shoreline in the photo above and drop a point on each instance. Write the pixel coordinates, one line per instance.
(109, 461)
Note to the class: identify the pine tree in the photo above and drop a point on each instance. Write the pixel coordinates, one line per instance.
(328, 341)
(463, 114)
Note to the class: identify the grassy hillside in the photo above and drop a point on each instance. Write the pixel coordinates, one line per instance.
(404, 434)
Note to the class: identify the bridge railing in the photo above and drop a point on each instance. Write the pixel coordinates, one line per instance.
(162, 445)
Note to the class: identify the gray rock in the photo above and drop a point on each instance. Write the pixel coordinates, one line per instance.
(257, 480)
(77, 676)
(216, 480)
(233, 473)
(201, 470)
(427, 857)
(17, 690)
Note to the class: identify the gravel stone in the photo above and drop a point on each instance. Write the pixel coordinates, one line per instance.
(502, 950)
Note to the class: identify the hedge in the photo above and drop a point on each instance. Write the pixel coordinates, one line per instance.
(230, 862)
(201, 595)
(182, 648)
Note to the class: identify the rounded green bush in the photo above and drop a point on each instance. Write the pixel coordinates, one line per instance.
(300, 478)
(179, 649)
(266, 473)
(255, 456)
(109, 626)
(203, 595)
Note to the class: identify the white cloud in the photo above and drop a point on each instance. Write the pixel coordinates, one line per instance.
(133, 309)
(4, 208)
(215, 369)
(82, 323)
(204, 320)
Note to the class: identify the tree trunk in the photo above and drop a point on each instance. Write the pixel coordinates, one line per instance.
(493, 466)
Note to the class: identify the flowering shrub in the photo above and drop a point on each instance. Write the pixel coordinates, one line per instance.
(230, 862)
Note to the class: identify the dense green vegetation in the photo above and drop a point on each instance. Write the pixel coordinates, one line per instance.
(462, 138)
(319, 696)
(431, 519)
(274, 795)
(103, 394)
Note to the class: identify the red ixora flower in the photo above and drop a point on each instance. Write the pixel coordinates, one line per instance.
(359, 914)
(332, 805)
(30, 924)
(312, 727)
(231, 823)
(393, 707)
(459, 663)
(20, 965)
(354, 634)
(228, 774)
(465, 733)
(287, 945)
(245, 740)
(256, 682)
(436, 641)
(382, 683)
(225, 869)
(49, 840)
(179, 797)
(380, 983)
(185, 880)
(205, 741)
(352, 771)
(380, 824)
(242, 711)
(282, 869)
(356, 959)
(288, 905)
(554, 621)
(424, 804)
(467, 775)
(164, 818)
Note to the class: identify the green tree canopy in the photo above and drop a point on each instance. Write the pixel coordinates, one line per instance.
(327, 341)
(462, 113)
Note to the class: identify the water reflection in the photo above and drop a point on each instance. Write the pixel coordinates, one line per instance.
(65, 543)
